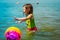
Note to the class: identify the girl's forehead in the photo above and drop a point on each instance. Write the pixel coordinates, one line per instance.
(27, 6)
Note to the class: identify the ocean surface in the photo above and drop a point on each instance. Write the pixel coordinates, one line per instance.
(46, 15)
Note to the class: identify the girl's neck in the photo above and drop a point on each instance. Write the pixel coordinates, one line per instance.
(28, 14)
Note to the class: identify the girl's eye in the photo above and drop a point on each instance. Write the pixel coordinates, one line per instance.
(26, 7)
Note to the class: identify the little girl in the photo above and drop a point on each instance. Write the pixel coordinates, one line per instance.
(28, 11)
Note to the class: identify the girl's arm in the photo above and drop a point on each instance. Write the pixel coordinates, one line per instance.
(24, 18)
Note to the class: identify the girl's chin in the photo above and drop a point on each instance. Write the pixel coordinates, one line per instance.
(25, 13)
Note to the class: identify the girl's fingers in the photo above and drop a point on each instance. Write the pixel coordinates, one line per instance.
(14, 17)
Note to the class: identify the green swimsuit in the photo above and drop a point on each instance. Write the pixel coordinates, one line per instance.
(30, 23)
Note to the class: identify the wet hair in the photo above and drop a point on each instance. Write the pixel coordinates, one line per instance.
(29, 6)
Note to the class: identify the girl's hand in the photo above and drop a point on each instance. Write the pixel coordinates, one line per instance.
(18, 22)
(15, 18)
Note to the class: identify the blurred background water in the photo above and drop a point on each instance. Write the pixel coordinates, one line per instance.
(46, 14)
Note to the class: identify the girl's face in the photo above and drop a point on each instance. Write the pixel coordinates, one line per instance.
(26, 10)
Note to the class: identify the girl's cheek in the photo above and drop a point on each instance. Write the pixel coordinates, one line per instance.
(24, 11)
